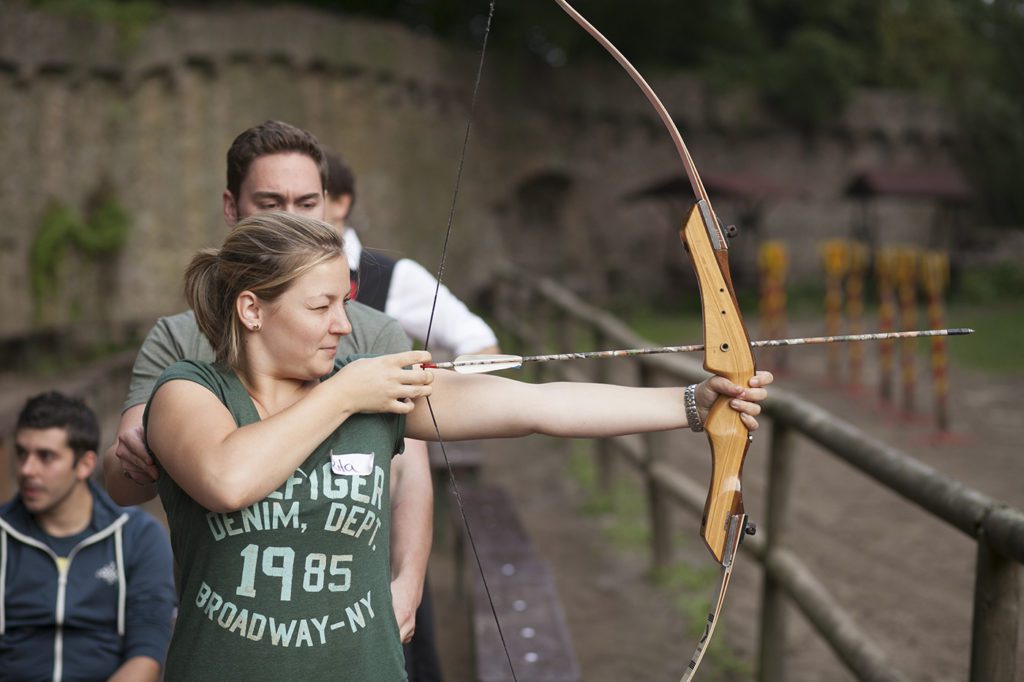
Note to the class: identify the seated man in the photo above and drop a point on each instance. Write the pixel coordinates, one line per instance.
(86, 589)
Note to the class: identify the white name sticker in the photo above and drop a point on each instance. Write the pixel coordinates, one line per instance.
(352, 464)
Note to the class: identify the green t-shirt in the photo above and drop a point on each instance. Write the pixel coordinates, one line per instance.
(297, 585)
(177, 338)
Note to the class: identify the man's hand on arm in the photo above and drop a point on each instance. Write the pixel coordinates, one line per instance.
(128, 471)
(412, 526)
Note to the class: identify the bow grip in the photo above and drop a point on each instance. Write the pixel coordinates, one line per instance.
(727, 353)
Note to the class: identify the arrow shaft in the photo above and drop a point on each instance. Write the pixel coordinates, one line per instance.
(468, 361)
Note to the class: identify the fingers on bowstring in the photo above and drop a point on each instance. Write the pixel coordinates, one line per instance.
(415, 378)
(402, 405)
(412, 358)
(413, 391)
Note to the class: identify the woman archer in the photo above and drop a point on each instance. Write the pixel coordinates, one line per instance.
(276, 485)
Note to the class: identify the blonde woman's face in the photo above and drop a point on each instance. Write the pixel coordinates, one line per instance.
(300, 331)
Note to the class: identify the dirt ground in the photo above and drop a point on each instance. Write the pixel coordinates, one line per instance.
(906, 578)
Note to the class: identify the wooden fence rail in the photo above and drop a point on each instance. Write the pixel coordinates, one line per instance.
(532, 310)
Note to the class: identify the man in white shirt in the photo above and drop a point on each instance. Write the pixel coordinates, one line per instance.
(402, 288)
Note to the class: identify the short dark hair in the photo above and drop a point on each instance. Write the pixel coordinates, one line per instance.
(340, 179)
(271, 137)
(55, 410)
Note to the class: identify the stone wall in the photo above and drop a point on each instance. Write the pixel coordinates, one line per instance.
(555, 163)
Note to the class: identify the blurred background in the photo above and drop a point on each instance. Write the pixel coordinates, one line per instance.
(858, 146)
(885, 122)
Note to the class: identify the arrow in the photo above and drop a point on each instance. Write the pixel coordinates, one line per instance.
(479, 364)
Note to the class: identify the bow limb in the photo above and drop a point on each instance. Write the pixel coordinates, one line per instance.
(727, 353)
(652, 97)
(727, 346)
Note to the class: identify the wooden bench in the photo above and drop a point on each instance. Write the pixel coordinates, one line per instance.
(465, 459)
(464, 456)
(523, 592)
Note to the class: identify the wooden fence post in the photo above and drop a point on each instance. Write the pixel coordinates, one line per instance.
(771, 666)
(604, 455)
(996, 615)
(659, 504)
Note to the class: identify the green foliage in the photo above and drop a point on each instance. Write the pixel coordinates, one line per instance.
(107, 229)
(809, 82)
(998, 329)
(992, 150)
(101, 234)
(992, 285)
(623, 509)
(989, 301)
(124, 13)
(923, 44)
(804, 57)
(626, 526)
(667, 328)
(692, 588)
(131, 17)
(55, 232)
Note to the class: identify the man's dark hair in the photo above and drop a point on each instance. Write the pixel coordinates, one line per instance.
(340, 179)
(272, 137)
(55, 410)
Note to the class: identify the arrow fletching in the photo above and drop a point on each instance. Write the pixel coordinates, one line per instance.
(480, 364)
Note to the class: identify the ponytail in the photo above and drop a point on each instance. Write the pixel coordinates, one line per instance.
(264, 254)
(208, 300)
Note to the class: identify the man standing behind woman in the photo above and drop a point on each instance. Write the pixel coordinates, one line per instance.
(277, 167)
(275, 478)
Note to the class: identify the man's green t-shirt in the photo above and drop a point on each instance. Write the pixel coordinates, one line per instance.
(177, 338)
(297, 585)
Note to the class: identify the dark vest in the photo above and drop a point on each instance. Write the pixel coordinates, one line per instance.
(370, 284)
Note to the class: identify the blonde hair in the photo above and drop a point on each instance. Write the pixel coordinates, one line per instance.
(264, 254)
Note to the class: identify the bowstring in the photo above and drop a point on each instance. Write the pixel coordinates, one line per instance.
(430, 326)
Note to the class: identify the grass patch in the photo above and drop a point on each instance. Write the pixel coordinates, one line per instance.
(692, 589)
(622, 510)
(998, 329)
(624, 513)
(668, 329)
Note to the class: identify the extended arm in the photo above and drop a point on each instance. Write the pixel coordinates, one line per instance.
(471, 406)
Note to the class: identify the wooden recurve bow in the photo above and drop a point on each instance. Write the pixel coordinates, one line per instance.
(727, 353)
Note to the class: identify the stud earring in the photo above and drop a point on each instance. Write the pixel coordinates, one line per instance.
(256, 326)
